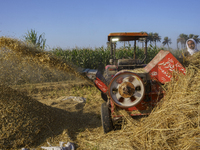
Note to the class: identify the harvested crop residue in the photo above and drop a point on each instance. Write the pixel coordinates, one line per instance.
(24, 120)
(33, 111)
(32, 84)
(173, 124)
(34, 55)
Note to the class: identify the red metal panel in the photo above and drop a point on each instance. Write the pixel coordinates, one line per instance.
(100, 85)
(163, 65)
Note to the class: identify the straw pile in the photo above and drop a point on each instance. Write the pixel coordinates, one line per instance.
(173, 124)
(16, 72)
(25, 122)
(38, 56)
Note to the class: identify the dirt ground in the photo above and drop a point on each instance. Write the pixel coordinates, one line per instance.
(79, 116)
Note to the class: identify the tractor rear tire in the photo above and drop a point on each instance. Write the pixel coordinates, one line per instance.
(106, 119)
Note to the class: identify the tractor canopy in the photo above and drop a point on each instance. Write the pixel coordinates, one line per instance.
(126, 36)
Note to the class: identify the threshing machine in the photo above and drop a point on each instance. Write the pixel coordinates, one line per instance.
(130, 84)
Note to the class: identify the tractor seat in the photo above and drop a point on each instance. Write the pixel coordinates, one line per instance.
(128, 61)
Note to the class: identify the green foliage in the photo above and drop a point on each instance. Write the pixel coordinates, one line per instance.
(85, 58)
(32, 37)
(166, 41)
(152, 51)
(182, 39)
(94, 58)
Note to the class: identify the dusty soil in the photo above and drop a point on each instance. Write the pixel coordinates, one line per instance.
(79, 116)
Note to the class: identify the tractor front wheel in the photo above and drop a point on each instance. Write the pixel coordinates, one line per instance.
(106, 119)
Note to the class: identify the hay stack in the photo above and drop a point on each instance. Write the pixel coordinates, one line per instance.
(25, 122)
(38, 56)
(14, 71)
(173, 124)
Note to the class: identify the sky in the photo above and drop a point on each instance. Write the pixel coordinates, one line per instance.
(69, 24)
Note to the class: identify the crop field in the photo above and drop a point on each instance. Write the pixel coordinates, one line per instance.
(93, 59)
(36, 103)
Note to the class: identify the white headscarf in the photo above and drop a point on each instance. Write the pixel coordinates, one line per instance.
(192, 51)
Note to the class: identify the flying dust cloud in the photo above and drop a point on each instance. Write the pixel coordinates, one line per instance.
(32, 55)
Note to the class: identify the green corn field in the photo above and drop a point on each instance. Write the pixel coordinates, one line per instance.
(93, 58)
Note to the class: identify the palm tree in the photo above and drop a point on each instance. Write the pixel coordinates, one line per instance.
(166, 41)
(31, 37)
(182, 39)
(156, 38)
(191, 36)
(150, 37)
(195, 37)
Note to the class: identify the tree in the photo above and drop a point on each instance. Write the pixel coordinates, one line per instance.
(182, 39)
(150, 37)
(156, 38)
(195, 37)
(32, 37)
(166, 41)
(191, 36)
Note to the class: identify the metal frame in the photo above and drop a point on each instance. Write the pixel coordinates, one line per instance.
(126, 36)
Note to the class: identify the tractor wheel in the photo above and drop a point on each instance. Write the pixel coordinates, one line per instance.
(106, 119)
(126, 89)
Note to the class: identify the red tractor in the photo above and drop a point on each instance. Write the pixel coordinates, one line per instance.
(129, 84)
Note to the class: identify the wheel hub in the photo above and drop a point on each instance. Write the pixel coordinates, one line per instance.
(126, 89)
